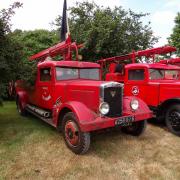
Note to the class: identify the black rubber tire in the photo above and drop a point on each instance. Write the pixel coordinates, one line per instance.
(136, 129)
(175, 127)
(84, 137)
(20, 109)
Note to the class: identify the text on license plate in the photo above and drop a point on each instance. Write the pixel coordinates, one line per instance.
(124, 120)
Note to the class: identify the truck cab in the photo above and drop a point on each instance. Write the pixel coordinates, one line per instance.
(54, 77)
(154, 83)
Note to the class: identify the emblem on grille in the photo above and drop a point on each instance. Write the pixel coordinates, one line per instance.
(113, 93)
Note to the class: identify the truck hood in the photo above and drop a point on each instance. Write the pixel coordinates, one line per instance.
(85, 91)
(88, 83)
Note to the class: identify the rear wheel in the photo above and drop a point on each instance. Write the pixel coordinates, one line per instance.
(76, 140)
(136, 129)
(173, 119)
(20, 108)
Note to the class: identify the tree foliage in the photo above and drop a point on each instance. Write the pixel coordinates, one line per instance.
(6, 14)
(17, 46)
(8, 48)
(108, 32)
(32, 42)
(174, 39)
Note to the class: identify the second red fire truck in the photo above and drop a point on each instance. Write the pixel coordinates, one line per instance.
(158, 84)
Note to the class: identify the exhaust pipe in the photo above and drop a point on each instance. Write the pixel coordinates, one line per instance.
(39, 111)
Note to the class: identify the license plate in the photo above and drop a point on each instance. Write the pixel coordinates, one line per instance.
(124, 120)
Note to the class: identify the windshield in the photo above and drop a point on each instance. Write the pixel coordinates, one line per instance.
(75, 73)
(159, 74)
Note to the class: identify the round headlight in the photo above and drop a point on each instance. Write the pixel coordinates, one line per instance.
(104, 108)
(134, 104)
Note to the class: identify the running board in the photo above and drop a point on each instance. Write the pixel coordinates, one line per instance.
(47, 120)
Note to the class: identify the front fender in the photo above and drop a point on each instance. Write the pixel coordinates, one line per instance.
(143, 107)
(81, 111)
(23, 97)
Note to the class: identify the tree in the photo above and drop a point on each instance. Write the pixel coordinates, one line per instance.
(108, 32)
(6, 14)
(32, 42)
(16, 47)
(174, 38)
(8, 48)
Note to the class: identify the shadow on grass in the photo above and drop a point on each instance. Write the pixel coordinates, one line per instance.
(161, 124)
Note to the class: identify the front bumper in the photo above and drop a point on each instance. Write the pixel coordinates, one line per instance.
(107, 122)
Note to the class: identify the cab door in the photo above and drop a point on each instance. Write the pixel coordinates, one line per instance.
(45, 87)
(136, 82)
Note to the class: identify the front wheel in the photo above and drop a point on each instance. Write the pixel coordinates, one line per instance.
(76, 140)
(172, 119)
(136, 129)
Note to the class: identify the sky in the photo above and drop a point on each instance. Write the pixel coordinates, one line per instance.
(38, 14)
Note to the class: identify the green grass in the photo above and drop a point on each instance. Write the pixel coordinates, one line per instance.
(17, 132)
(31, 149)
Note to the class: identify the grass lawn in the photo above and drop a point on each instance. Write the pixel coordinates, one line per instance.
(31, 149)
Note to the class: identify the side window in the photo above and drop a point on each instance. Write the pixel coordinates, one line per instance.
(136, 74)
(45, 74)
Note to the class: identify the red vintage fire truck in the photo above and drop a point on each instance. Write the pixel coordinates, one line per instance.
(70, 96)
(158, 84)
